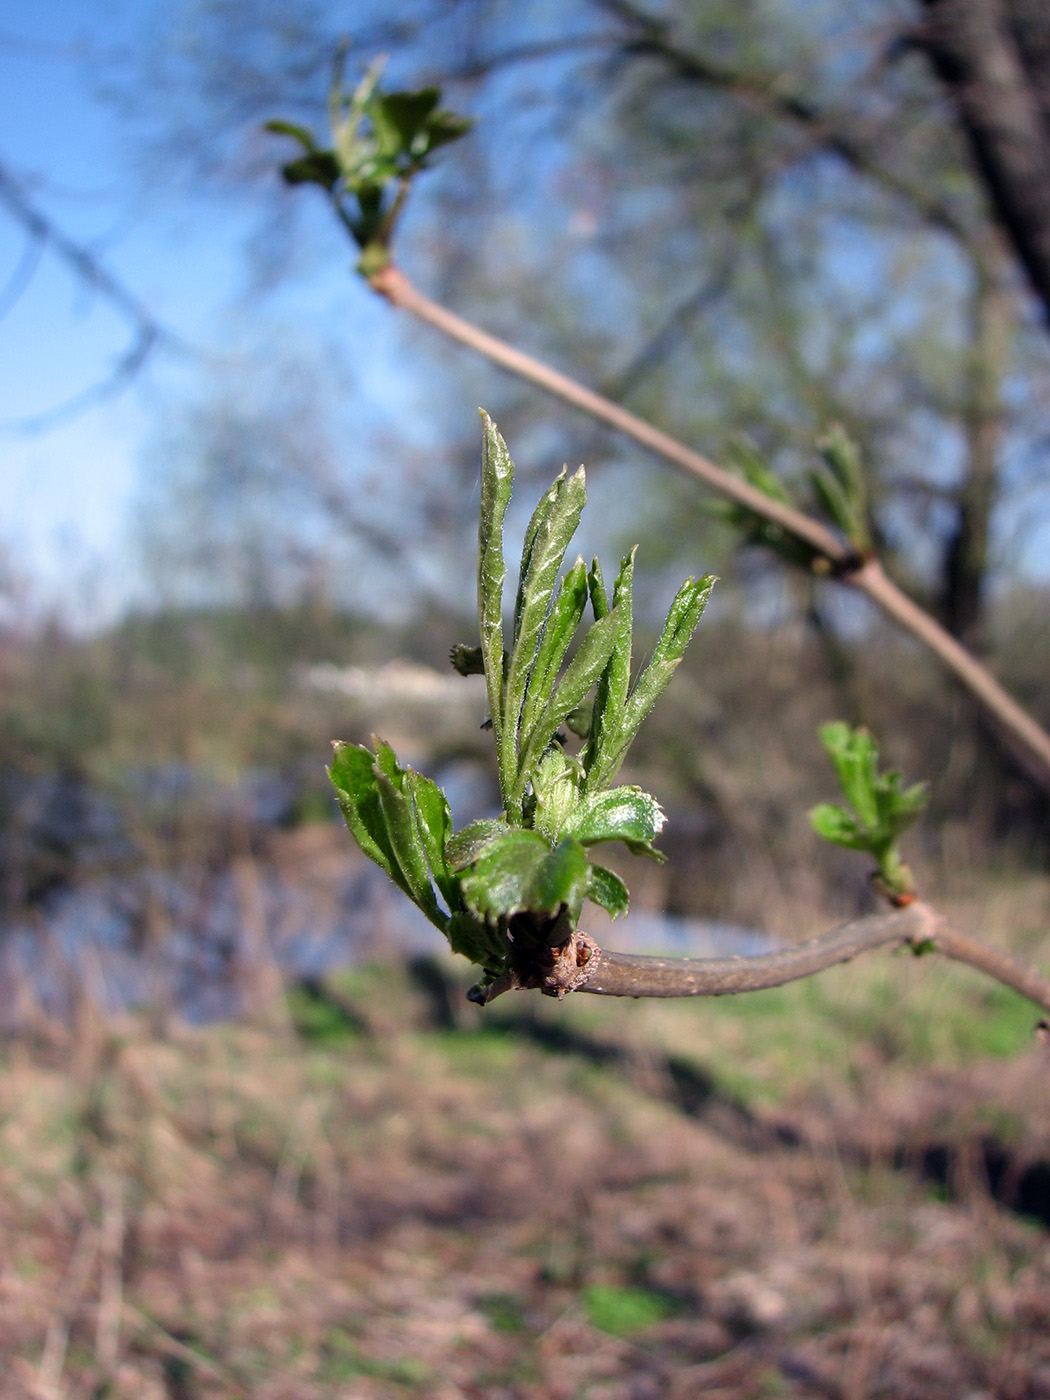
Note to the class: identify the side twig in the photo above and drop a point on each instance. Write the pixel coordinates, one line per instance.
(1030, 739)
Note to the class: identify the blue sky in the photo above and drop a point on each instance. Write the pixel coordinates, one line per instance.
(66, 491)
(68, 494)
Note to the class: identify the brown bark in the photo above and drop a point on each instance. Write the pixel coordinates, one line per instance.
(966, 562)
(993, 56)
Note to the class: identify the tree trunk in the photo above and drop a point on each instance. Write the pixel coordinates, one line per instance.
(993, 56)
(966, 557)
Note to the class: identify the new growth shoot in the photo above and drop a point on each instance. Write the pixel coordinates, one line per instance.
(508, 892)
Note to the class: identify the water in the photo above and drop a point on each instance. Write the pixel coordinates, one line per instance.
(192, 939)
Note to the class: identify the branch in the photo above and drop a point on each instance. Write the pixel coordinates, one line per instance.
(1030, 740)
(917, 926)
(997, 72)
(835, 131)
(43, 233)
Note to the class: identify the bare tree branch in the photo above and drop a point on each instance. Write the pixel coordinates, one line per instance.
(837, 132)
(148, 331)
(1030, 741)
(918, 926)
(994, 59)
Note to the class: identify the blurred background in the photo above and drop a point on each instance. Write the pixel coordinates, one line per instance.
(238, 500)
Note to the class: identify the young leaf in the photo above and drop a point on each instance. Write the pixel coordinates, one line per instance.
(467, 660)
(565, 615)
(539, 575)
(399, 118)
(354, 780)
(483, 943)
(315, 168)
(581, 673)
(882, 807)
(685, 612)
(559, 881)
(495, 883)
(532, 529)
(466, 846)
(302, 134)
(610, 698)
(744, 457)
(596, 588)
(837, 825)
(605, 888)
(618, 814)
(555, 793)
(841, 487)
(393, 786)
(434, 823)
(497, 475)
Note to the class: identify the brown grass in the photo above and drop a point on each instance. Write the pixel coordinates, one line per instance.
(555, 1201)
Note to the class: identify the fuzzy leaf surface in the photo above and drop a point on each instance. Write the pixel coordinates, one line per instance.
(497, 475)
(560, 628)
(581, 673)
(539, 576)
(605, 888)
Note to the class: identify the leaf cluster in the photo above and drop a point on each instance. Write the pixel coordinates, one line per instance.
(380, 142)
(501, 888)
(880, 807)
(838, 489)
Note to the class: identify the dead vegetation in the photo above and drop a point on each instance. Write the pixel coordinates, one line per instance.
(403, 1195)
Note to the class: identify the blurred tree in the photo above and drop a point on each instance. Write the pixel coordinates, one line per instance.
(730, 216)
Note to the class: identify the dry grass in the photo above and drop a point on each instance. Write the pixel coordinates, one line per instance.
(555, 1201)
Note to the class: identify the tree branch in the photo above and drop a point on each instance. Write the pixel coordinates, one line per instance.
(43, 233)
(1030, 741)
(581, 965)
(835, 131)
(997, 70)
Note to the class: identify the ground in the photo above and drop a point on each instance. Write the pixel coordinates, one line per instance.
(841, 1189)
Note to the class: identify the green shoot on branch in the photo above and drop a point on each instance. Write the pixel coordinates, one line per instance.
(880, 807)
(506, 891)
(380, 142)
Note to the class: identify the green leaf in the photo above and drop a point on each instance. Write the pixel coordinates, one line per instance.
(556, 793)
(618, 814)
(467, 845)
(855, 759)
(497, 475)
(532, 529)
(685, 612)
(434, 823)
(445, 127)
(393, 786)
(317, 168)
(841, 487)
(596, 588)
(608, 715)
(581, 673)
(882, 807)
(578, 721)
(519, 873)
(494, 885)
(302, 134)
(558, 632)
(606, 889)
(354, 780)
(745, 458)
(539, 574)
(839, 826)
(398, 118)
(559, 881)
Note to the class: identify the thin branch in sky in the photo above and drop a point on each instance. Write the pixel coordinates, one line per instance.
(43, 234)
